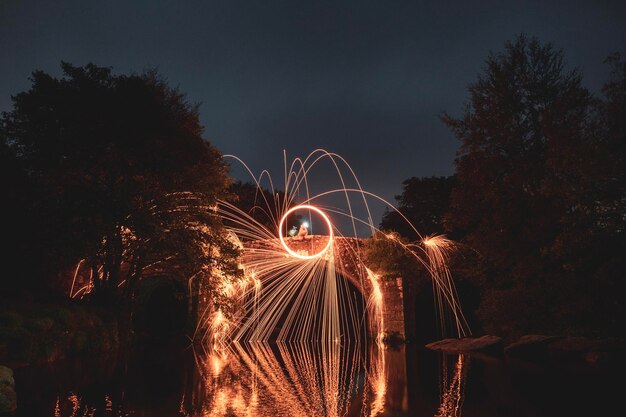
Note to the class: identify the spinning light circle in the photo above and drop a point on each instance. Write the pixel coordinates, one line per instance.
(318, 211)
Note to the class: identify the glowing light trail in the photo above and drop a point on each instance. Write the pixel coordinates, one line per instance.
(292, 294)
(318, 211)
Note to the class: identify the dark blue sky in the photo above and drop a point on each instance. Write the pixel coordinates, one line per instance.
(364, 79)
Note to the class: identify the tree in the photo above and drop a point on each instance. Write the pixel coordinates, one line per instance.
(424, 201)
(263, 205)
(21, 240)
(591, 241)
(527, 150)
(613, 142)
(122, 174)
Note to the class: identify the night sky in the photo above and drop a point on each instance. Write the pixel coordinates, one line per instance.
(367, 80)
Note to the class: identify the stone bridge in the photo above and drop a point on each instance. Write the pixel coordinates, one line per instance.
(398, 301)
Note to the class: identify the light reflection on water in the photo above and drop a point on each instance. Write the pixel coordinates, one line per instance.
(314, 380)
(262, 380)
(452, 386)
(279, 380)
(290, 380)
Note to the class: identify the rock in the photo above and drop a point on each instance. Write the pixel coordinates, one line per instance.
(8, 398)
(530, 346)
(488, 344)
(591, 350)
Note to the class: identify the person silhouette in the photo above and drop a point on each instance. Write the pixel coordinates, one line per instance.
(303, 231)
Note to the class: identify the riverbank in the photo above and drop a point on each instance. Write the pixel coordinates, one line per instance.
(594, 351)
(37, 333)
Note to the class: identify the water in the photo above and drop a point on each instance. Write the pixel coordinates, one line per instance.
(312, 380)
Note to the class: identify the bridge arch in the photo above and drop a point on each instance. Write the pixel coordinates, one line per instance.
(397, 310)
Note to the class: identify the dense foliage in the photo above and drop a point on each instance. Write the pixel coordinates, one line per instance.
(538, 194)
(423, 200)
(112, 170)
(261, 204)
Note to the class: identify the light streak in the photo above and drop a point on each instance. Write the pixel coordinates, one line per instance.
(75, 275)
(297, 289)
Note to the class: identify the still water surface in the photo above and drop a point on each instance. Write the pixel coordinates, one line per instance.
(275, 380)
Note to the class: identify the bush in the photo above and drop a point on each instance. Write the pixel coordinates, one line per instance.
(45, 333)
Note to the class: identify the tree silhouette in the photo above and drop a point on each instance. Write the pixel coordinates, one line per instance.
(121, 174)
(529, 172)
(424, 201)
(263, 205)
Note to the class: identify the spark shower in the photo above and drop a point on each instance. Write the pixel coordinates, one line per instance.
(304, 326)
(296, 289)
